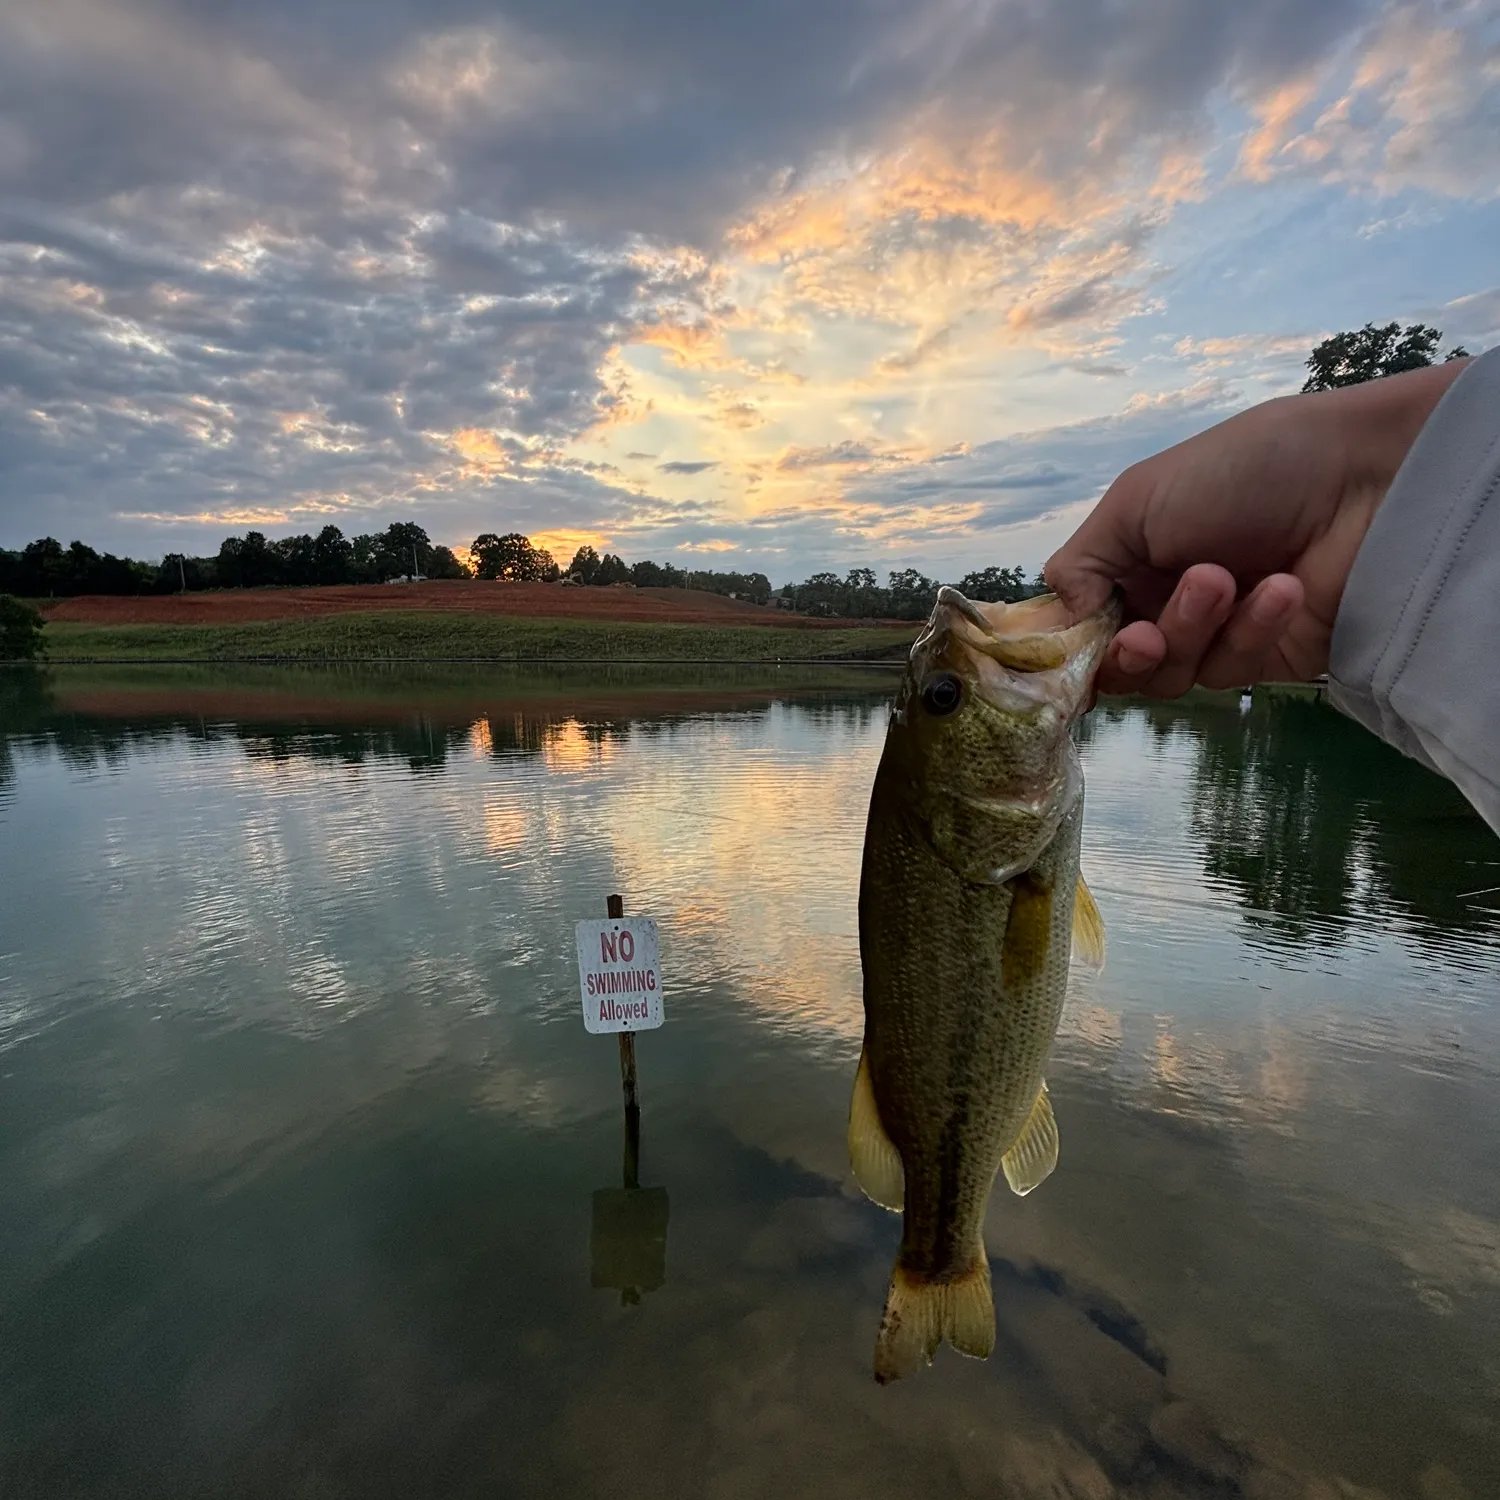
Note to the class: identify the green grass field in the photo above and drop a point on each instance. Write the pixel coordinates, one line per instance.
(398, 635)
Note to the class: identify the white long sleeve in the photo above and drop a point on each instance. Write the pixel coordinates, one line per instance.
(1416, 646)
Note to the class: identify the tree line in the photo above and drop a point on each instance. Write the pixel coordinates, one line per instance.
(47, 569)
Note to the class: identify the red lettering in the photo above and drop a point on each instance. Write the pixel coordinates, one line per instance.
(627, 946)
(607, 947)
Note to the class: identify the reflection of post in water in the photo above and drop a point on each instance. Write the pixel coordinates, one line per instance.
(629, 1240)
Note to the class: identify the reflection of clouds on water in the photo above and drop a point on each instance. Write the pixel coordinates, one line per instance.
(571, 746)
(295, 1077)
(1092, 1024)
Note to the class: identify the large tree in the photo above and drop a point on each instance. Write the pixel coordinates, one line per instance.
(44, 567)
(585, 565)
(649, 575)
(403, 548)
(995, 585)
(911, 594)
(296, 559)
(611, 570)
(1370, 352)
(510, 558)
(258, 564)
(333, 556)
(445, 564)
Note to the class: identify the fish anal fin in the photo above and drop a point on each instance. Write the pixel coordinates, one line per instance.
(1030, 1161)
(877, 1164)
(920, 1314)
(1088, 929)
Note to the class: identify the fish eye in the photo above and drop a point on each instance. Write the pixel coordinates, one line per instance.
(942, 695)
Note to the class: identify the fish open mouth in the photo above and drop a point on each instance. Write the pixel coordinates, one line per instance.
(1031, 635)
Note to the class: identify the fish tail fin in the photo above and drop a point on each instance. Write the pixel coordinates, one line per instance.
(920, 1314)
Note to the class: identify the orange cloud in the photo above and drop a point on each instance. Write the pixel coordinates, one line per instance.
(703, 346)
(1276, 133)
(563, 543)
(691, 345)
(481, 451)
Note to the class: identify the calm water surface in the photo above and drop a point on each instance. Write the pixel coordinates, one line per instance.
(310, 1179)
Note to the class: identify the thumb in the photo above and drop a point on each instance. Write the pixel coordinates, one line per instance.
(1103, 551)
(1080, 576)
(1079, 582)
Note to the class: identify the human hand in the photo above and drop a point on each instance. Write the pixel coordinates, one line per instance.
(1233, 547)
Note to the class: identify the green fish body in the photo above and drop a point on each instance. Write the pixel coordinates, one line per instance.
(970, 904)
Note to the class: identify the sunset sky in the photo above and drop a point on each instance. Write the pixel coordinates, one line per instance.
(770, 285)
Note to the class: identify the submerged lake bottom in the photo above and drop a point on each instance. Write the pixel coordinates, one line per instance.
(312, 1183)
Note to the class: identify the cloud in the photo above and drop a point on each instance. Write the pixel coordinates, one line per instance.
(1412, 101)
(1473, 321)
(846, 454)
(923, 352)
(463, 265)
(736, 412)
(1271, 357)
(1047, 309)
(1020, 480)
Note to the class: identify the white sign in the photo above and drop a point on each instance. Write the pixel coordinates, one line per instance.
(619, 974)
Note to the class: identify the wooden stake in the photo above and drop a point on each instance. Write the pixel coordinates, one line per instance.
(615, 907)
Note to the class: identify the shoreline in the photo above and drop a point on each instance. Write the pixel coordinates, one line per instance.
(373, 637)
(887, 663)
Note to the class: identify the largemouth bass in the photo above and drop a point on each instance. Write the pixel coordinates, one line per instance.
(970, 901)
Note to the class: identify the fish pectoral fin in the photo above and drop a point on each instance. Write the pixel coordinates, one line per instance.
(1030, 1161)
(877, 1164)
(1088, 929)
(920, 1314)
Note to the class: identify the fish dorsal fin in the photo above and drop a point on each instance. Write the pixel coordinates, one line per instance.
(1030, 1161)
(876, 1162)
(1088, 929)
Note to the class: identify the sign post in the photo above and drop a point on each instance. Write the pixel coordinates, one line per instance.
(619, 980)
(615, 907)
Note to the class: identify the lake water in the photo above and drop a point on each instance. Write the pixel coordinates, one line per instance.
(311, 1180)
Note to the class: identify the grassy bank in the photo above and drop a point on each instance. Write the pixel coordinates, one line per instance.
(391, 635)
